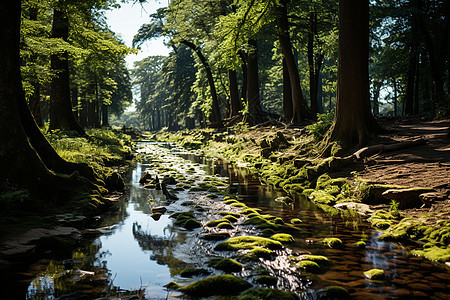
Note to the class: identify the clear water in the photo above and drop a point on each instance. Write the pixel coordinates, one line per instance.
(136, 252)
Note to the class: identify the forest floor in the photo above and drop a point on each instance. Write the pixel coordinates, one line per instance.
(426, 166)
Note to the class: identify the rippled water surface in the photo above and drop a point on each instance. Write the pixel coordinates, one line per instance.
(138, 254)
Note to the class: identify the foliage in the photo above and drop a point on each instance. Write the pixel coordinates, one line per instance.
(320, 128)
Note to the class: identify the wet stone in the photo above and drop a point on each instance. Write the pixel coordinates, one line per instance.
(357, 283)
(366, 295)
(444, 276)
(419, 294)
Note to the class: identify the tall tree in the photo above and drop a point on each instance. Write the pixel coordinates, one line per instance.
(61, 114)
(353, 119)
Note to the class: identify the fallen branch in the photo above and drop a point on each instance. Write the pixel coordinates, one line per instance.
(375, 149)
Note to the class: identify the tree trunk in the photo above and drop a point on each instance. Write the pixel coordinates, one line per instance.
(244, 77)
(83, 111)
(287, 93)
(299, 107)
(216, 119)
(395, 98)
(409, 98)
(105, 117)
(61, 115)
(353, 120)
(416, 87)
(74, 94)
(35, 104)
(235, 102)
(376, 95)
(254, 103)
(16, 152)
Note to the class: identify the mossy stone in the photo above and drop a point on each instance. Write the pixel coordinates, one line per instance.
(309, 266)
(230, 201)
(226, 213)
(248, 211)
(214, 223)
(225, 225)
(172, 286)
(226, 264)
(238, 204)
(333, 242)
(282, 237)
(267, 280)
(248, 242)
(360, 244)
(296, 221)
(434, 253)
(192, 272)
(262, 252)
(266, 294)
(212, 196)
(216, 285)
(231, 218)
(375, 274)
(320, 259)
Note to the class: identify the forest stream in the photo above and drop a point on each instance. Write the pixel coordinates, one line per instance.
(140, 252)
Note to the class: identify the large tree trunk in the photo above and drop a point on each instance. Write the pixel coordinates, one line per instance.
(35, 104)
(353, 121)
(254, 102)
(376, 95)
(105, 117)
(235, 102)
(287, 93)
(299, 107)
(244, 76)
(16, 152)
(409, 98)
(216, 119)
(61, 115)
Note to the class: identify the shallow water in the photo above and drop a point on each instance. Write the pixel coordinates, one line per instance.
(136, 252)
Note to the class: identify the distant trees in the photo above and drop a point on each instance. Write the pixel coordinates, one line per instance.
(73, 66)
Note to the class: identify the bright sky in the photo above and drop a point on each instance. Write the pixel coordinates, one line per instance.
(126, 22)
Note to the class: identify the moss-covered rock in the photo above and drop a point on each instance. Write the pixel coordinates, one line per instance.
(322, 197)
(296, 221)
(360, 244)
(193, 272)
(320, 259)
(267, 280)
(227, 213)
(230, 201)
(266, 294)
(262, 252)
(231, 218)
(248, 211)
(225, 264)
(333, 242)
(186, 220)
(375, 274)
(214, 223)
(216, 285)
(225, 225)
(308, 266)
(282, 237)
(434, 253)
(247, 242)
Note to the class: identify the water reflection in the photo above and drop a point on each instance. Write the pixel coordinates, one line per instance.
(137, 252)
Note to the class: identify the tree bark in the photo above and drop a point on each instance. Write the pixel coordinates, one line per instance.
(299, 107)
(35, 104)
(235, 102)
(244, 77)
(287, 93)
(61, 115)
(376, 95)
(353, 120)
(216, 119)
(105, 117)
(254, 102)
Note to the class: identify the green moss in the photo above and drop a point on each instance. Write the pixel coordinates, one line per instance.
(193, 272)
(309, 266)
(230, 201)
(266, 294)
(226, 264)
(267, 280)
(216, 285)
(248, 211)
(214, 223)
(225, 225)
(231, 218)
(375, 274)
(227, 213)
(238, 204)
(186, 220)
(262, 252)
(212, 196)
(261, 223)
(360, 244)
(282, 237)
(320, 259)
(382, 224)
(296, 221)
(172, 286)
(434, 253)
(333, 242)
(322, 197)
(247, 242)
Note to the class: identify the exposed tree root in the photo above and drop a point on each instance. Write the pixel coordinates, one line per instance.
(375, 149)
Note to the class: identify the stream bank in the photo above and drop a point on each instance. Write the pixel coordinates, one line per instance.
(227, 227)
